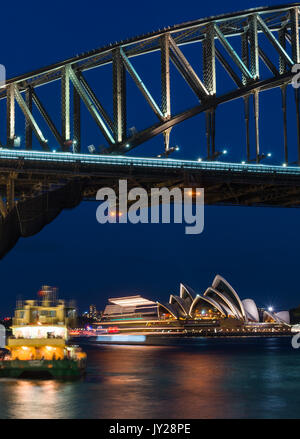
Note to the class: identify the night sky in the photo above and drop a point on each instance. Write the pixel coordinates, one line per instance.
(255, 249)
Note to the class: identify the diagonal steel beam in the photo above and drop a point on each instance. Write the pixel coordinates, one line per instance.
(158, 128)
(47, 118)
(90, 106)
(274, 41)
(227, 46)
(186, 70)
(29, 117)
(28, 128)
(228, 68)
(139, 83)
(266, 60)
(96, 101)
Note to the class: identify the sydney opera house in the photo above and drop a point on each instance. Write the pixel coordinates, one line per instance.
(218, 309)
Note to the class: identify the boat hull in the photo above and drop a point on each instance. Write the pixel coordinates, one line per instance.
(48, 369)
(168, 339)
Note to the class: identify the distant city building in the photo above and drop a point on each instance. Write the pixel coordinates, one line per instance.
(93, 313)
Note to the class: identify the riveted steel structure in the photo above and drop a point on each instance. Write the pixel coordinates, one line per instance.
(279, 25)
(230, 44)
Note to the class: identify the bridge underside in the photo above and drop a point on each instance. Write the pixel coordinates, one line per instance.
(223, 185)
(33, 191)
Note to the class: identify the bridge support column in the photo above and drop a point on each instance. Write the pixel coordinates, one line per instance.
(10, 115)
(210, 134)
(119, 97)
(165, 86)
(283, 99)
(256, 117)
(65, 104)
(247, 110)
(296, 91)
(167, 141)
(76, 121)
(246, 60)
(294, 17)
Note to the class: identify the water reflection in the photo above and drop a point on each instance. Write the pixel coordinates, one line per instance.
(32, 399)
(214, 379)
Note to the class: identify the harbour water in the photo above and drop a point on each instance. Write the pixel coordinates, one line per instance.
(213, 378)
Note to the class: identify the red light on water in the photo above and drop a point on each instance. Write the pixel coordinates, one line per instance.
(113, 330)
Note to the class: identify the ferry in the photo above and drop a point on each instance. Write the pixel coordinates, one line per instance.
(38, 346)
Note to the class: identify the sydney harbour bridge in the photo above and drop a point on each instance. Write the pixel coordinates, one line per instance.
(255, 51)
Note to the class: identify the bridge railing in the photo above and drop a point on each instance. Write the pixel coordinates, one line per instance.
(144, 162)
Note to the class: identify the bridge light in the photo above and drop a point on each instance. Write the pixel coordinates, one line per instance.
(270, 308)
(199, 160)
(54, 150)
(243, 162)
(177, 148)
(225, 151)
(91, 149)
(116, 214)
(284, 165)
(17, 141)
(127, 145)
(269, 154)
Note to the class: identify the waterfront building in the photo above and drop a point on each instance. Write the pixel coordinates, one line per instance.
(218, 308)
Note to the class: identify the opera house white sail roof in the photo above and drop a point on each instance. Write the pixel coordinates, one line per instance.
(220, 300)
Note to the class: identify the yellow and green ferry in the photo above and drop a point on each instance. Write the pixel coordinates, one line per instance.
(38, 346)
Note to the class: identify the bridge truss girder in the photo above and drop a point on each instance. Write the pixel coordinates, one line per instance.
(278, 25)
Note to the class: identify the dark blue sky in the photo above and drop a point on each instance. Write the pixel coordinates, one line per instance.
(255, 249)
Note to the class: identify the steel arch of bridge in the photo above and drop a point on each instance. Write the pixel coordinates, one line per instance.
(279, 25)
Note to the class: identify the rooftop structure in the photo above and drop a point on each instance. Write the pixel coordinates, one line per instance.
(131, 307)
(219, 301)
(47, 310)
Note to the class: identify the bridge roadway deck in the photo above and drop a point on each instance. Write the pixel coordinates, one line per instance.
(224, 183)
